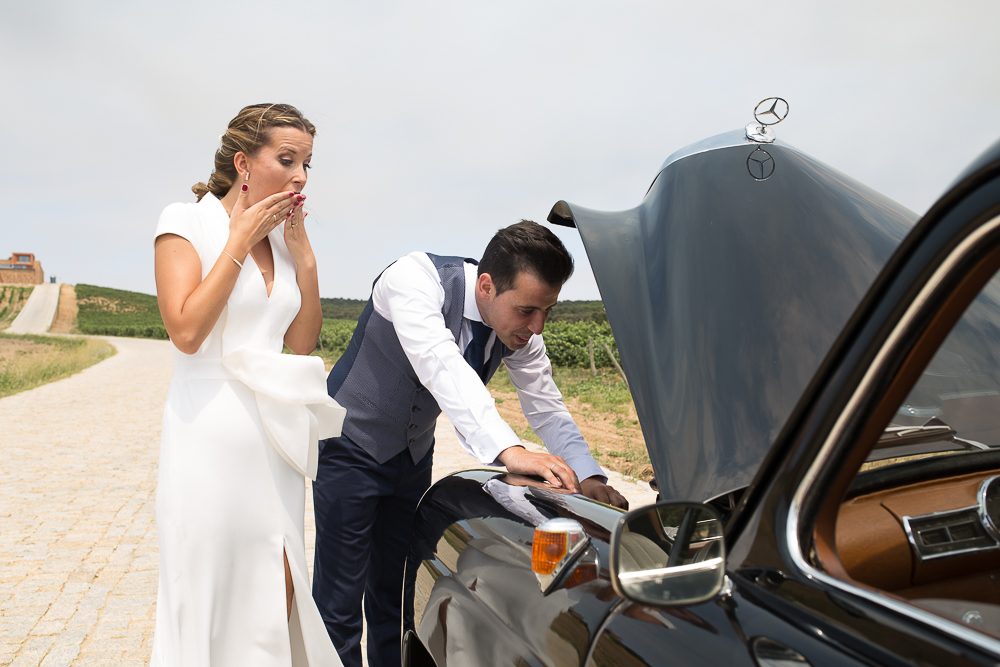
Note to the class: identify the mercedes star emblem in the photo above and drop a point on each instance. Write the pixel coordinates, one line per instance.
(769, 111)
(760, 164)
(775, 109)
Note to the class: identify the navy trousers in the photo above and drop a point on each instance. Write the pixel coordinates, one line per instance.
(364, 518)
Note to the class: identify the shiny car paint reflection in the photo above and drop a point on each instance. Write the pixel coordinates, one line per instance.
(469, 571)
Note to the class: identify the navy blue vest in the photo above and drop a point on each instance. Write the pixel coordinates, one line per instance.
(388, 410)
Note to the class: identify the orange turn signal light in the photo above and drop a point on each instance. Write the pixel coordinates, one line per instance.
(547, 550)
(555, 542)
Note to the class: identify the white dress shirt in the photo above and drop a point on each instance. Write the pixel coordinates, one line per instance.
(410, 295)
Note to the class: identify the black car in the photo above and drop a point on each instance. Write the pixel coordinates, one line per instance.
(817, 376)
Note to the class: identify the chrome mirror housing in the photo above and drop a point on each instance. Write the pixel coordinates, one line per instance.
(668, 554)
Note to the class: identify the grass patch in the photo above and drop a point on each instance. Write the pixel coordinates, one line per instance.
(602, 407)
(27, 362)
(12, 298)
(604, 392)
(104, 311)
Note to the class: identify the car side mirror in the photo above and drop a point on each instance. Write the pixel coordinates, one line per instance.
(668, 554)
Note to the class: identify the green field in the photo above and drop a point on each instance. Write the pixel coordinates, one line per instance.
(579, 311)
(334, 337)
(113, 312)
(566, 342)
(564, 311)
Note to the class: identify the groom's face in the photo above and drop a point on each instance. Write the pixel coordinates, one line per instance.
(519, 313)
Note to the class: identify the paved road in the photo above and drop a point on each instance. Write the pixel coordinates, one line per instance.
(39, 309)
(78, 552)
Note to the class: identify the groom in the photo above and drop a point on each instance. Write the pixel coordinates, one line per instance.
(432, 335)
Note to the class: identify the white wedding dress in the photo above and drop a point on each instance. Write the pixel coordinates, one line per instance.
(240, 430)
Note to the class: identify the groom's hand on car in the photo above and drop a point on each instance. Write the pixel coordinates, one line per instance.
(553, 468)
(558, 473)
(593, 487)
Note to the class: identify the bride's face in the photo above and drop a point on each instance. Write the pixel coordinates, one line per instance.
(282, 164)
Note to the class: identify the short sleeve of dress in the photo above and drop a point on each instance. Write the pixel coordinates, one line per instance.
(179, 219)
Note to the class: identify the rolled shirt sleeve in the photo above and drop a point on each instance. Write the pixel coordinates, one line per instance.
(530, 371)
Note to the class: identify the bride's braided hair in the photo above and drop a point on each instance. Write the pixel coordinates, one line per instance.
(247, 134)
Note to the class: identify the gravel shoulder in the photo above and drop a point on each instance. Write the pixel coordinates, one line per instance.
(78, 557)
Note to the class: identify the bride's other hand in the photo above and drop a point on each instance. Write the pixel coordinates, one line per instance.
(296, 238)
(250, 224)
(304, 330)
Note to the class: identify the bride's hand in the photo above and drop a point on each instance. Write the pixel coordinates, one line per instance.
(296, 239)
(249, 224)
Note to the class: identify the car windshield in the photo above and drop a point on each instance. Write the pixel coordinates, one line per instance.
(955, 405)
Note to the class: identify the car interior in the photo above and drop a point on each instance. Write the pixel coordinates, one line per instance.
(917, 512)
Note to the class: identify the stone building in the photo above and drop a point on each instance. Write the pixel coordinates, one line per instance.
(22, 268)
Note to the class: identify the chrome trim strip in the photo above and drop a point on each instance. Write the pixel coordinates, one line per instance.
(966, 634)
(911, 536)
(984, 516)
(724, 140)
(675, 571)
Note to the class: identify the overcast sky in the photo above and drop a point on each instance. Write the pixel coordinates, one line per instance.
(439, 122)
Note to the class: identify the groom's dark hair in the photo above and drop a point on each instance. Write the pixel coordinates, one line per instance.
(526, 246)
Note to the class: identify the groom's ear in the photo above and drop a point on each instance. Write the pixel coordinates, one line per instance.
(484, 286)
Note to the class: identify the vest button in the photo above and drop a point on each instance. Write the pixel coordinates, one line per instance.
(411, 441)
(419, 389)
(413, 425)
(415, 408)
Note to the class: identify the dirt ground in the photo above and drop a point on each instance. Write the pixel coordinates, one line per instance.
(16, 347)
(65, 321)
(110, 305)
(615, 439)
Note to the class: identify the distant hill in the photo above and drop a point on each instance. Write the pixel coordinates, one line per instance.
(105, 311)
(578, 311)
(342, 309)
(565, 311)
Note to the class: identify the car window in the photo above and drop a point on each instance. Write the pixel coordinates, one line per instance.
(955, 406)
(921, 516)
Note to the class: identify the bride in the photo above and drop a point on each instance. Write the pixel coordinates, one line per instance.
(236, 280)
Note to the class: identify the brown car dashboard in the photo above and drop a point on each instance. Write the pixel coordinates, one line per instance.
(933, 538)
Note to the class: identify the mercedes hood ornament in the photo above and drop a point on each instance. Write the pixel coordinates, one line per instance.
(768, 112)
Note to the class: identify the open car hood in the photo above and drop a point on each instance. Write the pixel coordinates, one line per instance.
(725, 291)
